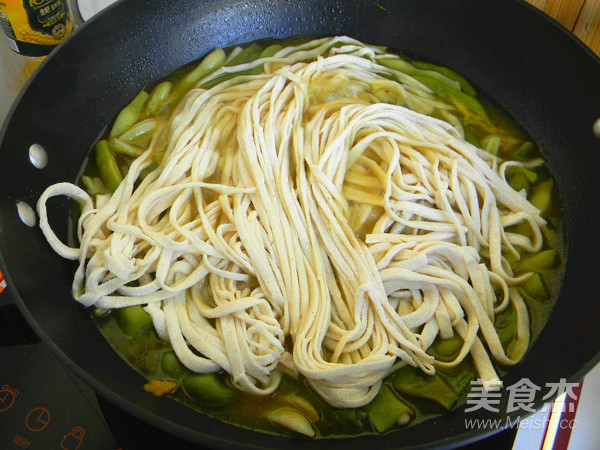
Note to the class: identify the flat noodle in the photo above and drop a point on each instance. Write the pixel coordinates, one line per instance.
(252, 235)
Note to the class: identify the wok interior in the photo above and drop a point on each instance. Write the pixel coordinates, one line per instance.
(79, 89)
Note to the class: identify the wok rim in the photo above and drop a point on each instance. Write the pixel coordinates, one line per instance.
(160, 421)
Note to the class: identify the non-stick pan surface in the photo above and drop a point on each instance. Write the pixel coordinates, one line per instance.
(545, 78)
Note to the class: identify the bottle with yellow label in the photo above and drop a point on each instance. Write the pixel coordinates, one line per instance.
(35, 27)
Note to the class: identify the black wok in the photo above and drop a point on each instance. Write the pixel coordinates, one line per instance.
(542, 75)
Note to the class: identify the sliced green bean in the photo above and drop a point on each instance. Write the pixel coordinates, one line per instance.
(541, 197)
(98, 312)
(270, 50)
(449, 93)
(207, 388)
(158, 97)
(536, 288)
(470, 137)
(232, 54)
(506, 326)
(227, 76)
(459, 377)
(411, 381)
(157, 157)
(519, 181)
(510, 145)
(107, 166)
(129, 115)
(544, 260)
(448, 73)
(491, 144)
(387, 410)
(446, 349)
(145, 172)
(124, 148)
(139, 131)
(511, 258)
(431, 72)
(132, 319)
(350, 417)
(209, 64)
(398, 64)
(522, 228)
(171, 366)
(93, 185)
(530, 174)
(247, 55)
(527, 150)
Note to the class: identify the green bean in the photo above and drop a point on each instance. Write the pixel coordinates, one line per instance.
(459, 377)
(129, 115)
(158, 97)
(93, 185)
(506, 326)
(270, 50)
(541, 197)
(146, 171)
(209, 64)
(206, 388)
(527, 150)
(411, 381)
(212, 83)
(232, 54)
(446, 349)
(265, 53)
(522, 228)
(247, 55)
(399, 65)
(420, 69)
(448, 73)
(107, 166)
(350, 417)
(470, 137)
(530, 174)
(449, 93)
(491, 144)
(227, 76)
(139, 131)
(170, 365)
(387, 409)
(536, 288)
(512, 259)
(132, 319)
(510, 144)
(545, 260)
(519, 181)
(98, 312)
(157, 157)
(124, 148)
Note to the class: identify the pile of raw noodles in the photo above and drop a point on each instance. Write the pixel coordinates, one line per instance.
(300, 224)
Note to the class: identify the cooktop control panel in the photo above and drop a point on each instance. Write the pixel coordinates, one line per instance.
(42, 405)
